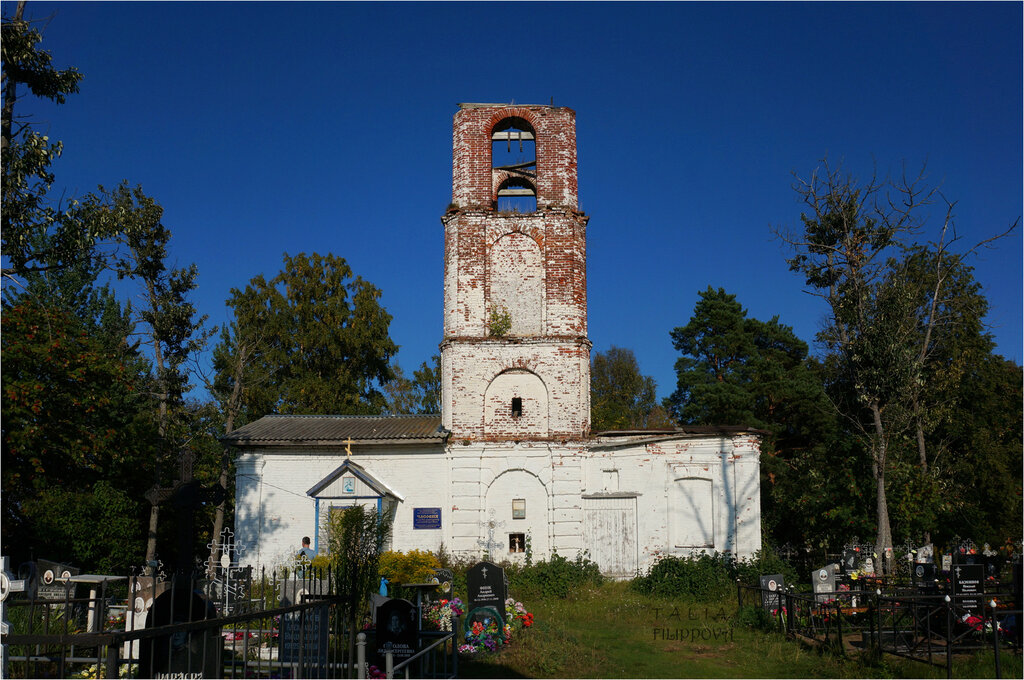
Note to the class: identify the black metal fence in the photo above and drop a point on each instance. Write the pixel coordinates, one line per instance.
(266, 626)
(930, 627)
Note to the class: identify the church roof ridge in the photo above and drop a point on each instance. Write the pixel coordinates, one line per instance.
(281, 429)
(342, 415)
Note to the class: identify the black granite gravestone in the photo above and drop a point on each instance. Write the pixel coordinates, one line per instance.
(849, 560)
(771, 591)
(485, 586)
(968, 581)
(924, 577)
(191, 654)
(396, 630)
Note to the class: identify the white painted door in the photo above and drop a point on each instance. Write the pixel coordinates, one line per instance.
(609, 533)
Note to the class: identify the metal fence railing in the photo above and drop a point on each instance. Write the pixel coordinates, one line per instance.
(930, 627)
(284, 626)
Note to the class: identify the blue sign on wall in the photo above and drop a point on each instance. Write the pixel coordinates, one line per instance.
(426, 518)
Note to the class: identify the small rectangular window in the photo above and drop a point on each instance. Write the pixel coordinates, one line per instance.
(519, 508)
(517, 543)
(517, 407)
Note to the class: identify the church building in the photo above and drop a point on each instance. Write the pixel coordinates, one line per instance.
(510, 465)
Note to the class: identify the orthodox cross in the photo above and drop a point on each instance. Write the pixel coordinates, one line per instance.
(185, 494)
(348, 448)
(8, 585)
(484, 571)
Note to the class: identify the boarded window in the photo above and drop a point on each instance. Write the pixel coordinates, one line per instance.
(691, 508)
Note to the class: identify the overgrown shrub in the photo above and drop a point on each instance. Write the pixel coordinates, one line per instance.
(709, 577)
(705, 577)
(415, 566)
(757, 618)
(555, 577)
(764, 561)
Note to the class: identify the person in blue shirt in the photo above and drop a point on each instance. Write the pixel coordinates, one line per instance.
(306, 551)
(304, 558)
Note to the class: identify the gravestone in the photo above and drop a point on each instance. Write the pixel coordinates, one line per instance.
(485, 586)
(771, 591)
(304, 634)
(824, 581)
(869, 566)
(444, 578)
(947, 562)
(54, 580)
(849, 560)
(189, 654)
(376, 600)
(968, 580)
(924, 577)
(397, 629)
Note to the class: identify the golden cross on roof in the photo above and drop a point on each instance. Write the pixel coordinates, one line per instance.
(348, 447)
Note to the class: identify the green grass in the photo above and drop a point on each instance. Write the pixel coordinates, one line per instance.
(610, 632)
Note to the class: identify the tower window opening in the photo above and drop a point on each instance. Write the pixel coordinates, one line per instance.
(517, 194)
(513, 145)
(517, 407)
(514, 162)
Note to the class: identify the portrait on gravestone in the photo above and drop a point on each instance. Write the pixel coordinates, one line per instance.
(824, 581)
(444, 578)
(396, 629)
(773, 584)
(849, 560)
(924, 577)
(947, 562)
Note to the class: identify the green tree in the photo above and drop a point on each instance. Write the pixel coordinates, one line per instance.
(73, 403)
(171, 329)
(35, 235)
(355, 541)
(427, 382)
(421, 394)
(323, 343)
(736, 370)
(621, 398)
(849, 249)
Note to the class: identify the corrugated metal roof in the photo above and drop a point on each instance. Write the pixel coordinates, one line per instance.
(338, 429)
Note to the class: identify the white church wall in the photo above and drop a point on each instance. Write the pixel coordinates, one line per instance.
(273, 512)
(693, 495)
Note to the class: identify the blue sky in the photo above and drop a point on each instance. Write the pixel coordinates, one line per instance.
(325, 127)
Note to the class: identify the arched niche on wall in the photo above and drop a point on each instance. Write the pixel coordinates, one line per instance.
(516, 405)
(515, 282)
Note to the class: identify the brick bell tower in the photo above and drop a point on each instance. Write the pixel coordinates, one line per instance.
(515, 356)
